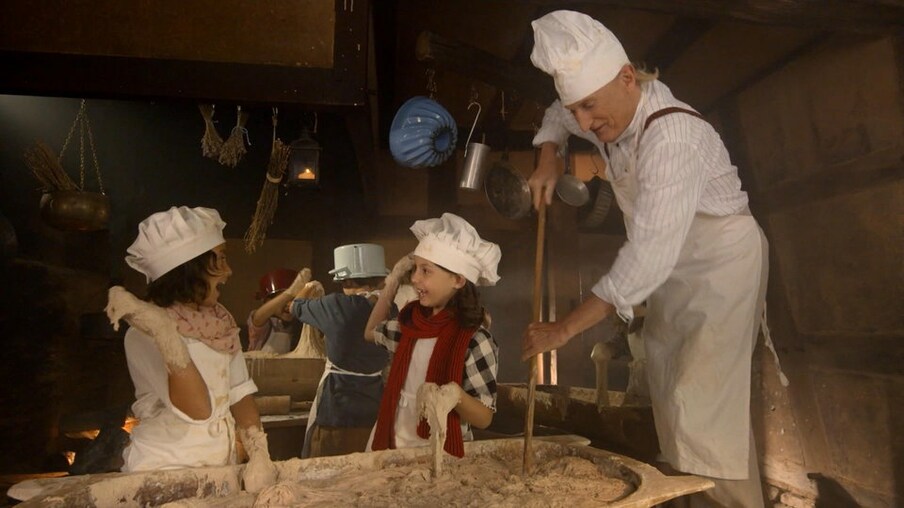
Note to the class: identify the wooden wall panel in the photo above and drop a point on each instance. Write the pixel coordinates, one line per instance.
(299, 33)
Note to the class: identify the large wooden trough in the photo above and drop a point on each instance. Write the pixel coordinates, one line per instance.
(220, 486)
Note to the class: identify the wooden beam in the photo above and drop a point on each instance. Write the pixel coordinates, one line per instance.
(863, 16)
(481, 65)
(57, 71)
(129, 78)
(675, 41)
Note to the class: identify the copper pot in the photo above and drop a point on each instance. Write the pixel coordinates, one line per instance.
(72, 210)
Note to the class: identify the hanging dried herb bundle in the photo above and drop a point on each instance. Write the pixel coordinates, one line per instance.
(269, 198)
(46, 167)
(211, 142)
(233, 148)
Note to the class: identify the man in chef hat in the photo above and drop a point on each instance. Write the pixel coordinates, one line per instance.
(693, 252)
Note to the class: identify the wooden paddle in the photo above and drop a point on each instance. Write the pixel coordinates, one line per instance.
(535, 361)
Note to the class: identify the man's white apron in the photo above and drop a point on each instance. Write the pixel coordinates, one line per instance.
(699, 333)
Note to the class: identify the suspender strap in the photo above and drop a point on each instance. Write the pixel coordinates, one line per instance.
(657, 114)
(667, 111)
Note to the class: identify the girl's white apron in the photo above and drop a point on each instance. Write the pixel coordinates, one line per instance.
(166, 441)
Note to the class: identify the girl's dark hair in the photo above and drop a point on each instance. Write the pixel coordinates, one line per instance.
(373, 282)
(186, 283)
(466, 304)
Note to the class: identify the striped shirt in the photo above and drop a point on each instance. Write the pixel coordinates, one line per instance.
(680, 168)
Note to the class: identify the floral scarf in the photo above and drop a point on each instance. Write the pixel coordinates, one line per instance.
(213, 326)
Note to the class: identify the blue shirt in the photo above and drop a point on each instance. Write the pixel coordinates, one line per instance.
(346, 400)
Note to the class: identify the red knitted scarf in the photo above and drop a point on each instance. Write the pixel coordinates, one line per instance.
(447, 364)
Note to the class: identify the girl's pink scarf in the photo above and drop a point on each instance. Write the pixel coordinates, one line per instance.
(213, 326)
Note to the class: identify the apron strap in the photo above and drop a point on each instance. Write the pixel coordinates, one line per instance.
(767, 339)
(334, 369)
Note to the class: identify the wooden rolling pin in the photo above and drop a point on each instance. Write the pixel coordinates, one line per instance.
(273, 404)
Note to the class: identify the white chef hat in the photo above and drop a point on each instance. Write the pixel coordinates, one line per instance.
(578, 52)
(454, 244)
(168, 239)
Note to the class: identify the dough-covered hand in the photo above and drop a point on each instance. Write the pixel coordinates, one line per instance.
(260, 472)
(402, 268)
(303, 277)
(314, 288)
(542, 181)
(150, 319)
(441, 398)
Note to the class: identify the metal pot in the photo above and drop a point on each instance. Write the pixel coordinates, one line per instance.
(72, 210)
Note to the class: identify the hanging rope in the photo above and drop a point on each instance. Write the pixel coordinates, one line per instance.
(431, 82)
(269, 198)
(48, 167)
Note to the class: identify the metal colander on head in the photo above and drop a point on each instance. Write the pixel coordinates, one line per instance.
(358, 261)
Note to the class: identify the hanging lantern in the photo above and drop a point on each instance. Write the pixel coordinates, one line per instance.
(304, 161)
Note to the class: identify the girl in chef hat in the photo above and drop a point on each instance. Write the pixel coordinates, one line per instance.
(191, 385)
(439, 338)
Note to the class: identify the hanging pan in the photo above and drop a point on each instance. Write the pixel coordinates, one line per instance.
(507, 190)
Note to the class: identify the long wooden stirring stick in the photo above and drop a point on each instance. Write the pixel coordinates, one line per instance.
(535, 361)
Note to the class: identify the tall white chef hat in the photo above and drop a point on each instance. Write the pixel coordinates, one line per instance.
(168, 239)
(454, 244)
(578, 52)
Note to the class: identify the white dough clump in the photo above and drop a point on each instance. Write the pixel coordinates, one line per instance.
(154, 321)
(434, 403)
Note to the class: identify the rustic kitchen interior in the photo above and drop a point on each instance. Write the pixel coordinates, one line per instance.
(807, 97)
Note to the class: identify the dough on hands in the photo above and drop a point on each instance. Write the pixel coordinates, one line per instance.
(402, 267)
(303, 277)
(434, 403)
(260, 472)
(154, 321)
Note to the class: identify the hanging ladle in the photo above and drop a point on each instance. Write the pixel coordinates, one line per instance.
(571, 189)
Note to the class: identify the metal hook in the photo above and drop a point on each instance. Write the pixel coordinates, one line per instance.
(473, 103)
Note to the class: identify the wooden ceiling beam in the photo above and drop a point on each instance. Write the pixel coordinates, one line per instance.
(483, 66)
(862, 16)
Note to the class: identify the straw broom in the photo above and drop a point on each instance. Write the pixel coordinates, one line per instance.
(233, 148)
(211, 142)
(46, 167)
(266, 204)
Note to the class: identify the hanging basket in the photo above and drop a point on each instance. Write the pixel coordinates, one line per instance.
(74, 210)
